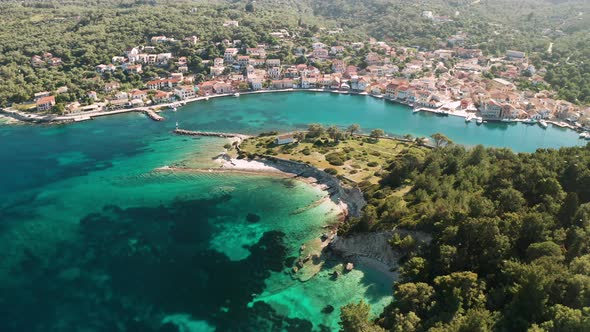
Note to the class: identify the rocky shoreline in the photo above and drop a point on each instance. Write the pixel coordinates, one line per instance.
(373, 249)
(365, 249)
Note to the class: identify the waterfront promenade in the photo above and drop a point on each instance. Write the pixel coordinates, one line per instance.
(151, 111)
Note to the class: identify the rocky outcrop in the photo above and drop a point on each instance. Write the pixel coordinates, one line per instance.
(348, 194)
(374, 246)
(371, 245)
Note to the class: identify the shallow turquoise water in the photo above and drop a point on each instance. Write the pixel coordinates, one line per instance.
(91, 235)
(92, 238)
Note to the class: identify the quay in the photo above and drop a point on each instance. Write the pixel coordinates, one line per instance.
(153, 115)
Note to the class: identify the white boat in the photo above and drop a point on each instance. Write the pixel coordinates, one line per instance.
(416, 110)
(468, 118)
(584, 135)
(529, 121)
(543, 124)
(236, 94)
(506, 120)
(479, 121)
(206, 98)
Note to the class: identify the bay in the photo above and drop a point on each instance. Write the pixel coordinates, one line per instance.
(94, 239)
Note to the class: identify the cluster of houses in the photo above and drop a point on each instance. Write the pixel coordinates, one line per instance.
(403, 74)
(47, 59)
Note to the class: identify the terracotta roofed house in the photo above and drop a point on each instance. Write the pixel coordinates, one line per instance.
(45, 103)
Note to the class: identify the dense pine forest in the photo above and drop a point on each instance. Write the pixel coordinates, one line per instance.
(510, 248)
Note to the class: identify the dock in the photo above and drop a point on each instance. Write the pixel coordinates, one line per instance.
(153, 115)
(208, 133)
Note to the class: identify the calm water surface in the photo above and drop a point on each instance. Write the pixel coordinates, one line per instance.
(288, 111)
(93, 239)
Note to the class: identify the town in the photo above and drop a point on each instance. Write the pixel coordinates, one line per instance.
(453, 80)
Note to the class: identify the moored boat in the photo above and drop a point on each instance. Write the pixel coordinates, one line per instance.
(236, 94)
(468, 118)
(479, 121)
(543, 124)
(529, 121)
(584, 135)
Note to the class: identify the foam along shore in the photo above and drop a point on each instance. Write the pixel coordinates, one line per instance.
(348, 200)
(370, 250)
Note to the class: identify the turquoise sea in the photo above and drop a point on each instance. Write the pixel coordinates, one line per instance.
(93, 239)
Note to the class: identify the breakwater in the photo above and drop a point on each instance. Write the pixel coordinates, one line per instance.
(208, 133)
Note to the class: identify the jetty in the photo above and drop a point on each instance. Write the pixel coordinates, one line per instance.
(179, 131)
(153, 115)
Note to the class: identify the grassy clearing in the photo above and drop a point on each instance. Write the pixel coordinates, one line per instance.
(356, 158)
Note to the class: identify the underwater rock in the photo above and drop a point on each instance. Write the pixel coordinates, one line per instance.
(328, 309)
(290, 261)
(251, 217)
(335, 275)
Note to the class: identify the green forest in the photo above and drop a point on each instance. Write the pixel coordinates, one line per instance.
(509, 250)
(88, 33)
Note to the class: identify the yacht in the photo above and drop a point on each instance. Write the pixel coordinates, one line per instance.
(479, 121)
(543, 124)
(584, 135)
(236, 94)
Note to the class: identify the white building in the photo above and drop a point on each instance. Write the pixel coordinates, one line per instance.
(284, 139)
(185, 92)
